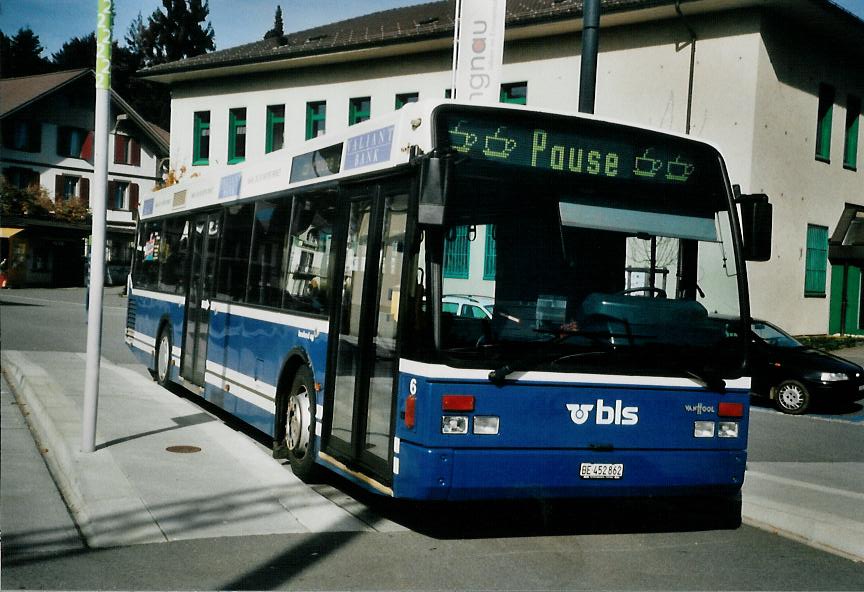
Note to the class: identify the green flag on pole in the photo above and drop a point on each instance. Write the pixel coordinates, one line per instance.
(103, 45)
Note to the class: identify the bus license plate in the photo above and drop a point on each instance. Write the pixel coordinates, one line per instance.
(601, 470)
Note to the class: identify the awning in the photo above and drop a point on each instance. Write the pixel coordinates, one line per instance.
(9, 232)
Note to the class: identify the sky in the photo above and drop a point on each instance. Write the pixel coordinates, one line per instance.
(57, 21)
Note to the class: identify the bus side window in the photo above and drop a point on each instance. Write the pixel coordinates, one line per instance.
(146, 275)
(307, 274)
(173, 254)
(270, 245)
(234, 255)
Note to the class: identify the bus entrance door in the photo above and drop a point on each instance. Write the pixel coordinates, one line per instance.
(364, 356)
(205, 234)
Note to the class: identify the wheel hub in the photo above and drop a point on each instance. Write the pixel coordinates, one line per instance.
(298, 421)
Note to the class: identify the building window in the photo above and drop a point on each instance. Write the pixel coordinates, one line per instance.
(316, 119)
(68, 187)
(823, 123)
(201, 138)
(850, 144)
(515, 92)
(275, 128)
(20, 177)
(127, 150)
(359, 109)
(817, 261)
(118, 192)
(490, 257)
(236, 136)
(25, 136)
(457, 250)
(74, 142)
(405, 98)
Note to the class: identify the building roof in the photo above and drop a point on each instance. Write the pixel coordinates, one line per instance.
(435, 21)
(19, 93)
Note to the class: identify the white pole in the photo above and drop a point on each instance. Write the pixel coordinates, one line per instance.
(97, 202)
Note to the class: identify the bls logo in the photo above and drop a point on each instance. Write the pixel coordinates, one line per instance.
(606, 414)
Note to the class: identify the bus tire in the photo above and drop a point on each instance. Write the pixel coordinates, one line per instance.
(163, 356)
(299, 410)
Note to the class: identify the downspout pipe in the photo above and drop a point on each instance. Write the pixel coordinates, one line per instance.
(693, 38)
(590, 42)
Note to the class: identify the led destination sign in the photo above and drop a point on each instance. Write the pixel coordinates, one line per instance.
(607, 152)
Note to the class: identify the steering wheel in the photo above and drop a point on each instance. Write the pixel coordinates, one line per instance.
(661, 293)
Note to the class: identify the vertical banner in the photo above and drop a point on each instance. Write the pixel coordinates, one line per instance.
(103, 44)
(481, 50)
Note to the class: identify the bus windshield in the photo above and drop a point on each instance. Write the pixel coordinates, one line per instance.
(549, 270)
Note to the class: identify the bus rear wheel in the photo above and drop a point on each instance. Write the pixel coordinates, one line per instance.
(163, 357)
(300, 425)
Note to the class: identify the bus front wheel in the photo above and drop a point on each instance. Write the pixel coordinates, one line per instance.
(300, 424)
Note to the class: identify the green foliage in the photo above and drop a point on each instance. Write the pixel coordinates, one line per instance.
(35, 202)
(831, 342)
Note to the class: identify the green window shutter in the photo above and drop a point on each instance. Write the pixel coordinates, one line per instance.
(201, 138)
(850, 145)
(456, 254)
(359, 109)
(316, 118)
(515, 93)
(275, 128)
(823, 123)
(816, 266)
(489, 259)
(236, 136)
(405, 98)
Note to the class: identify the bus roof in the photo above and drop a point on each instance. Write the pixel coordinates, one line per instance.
(373, 145)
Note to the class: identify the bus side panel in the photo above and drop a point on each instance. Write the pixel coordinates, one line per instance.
(145, 315)
(247, 356)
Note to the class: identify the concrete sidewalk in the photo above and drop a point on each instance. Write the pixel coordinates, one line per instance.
(133, 490)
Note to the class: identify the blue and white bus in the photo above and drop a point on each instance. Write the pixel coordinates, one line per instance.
(313, 294)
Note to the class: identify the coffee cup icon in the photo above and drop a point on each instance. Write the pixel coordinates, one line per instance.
(647, 166)
(678, 170)
(462, 141)
(498, 146)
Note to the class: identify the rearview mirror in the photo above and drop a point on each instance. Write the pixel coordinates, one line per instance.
(435, 175)
(756, 221)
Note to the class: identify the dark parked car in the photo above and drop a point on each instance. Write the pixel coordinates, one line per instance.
(795, 376)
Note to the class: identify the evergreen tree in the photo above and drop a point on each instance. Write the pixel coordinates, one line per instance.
(78, 52)
(181, 31)
(277, 30)
(21, 54)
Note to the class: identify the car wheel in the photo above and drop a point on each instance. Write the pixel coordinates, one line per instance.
(792, 397)
(300, 425)
(163, 357)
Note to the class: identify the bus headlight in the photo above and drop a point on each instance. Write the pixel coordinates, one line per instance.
(486, 425)
(703, 429)
(454, 424)
(727, 429)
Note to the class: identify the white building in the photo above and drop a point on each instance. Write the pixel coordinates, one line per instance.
(777, 85)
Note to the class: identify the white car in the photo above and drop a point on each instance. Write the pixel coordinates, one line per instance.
(473, 307)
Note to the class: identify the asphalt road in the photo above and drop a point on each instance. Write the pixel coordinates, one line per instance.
(525, 546)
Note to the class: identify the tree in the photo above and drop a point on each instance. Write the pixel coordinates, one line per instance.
(277, 30)
(21, 55)
(181, 31)
(78, 52)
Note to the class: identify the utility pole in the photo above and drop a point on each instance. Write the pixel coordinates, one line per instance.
(590, 42)
(97, 253)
